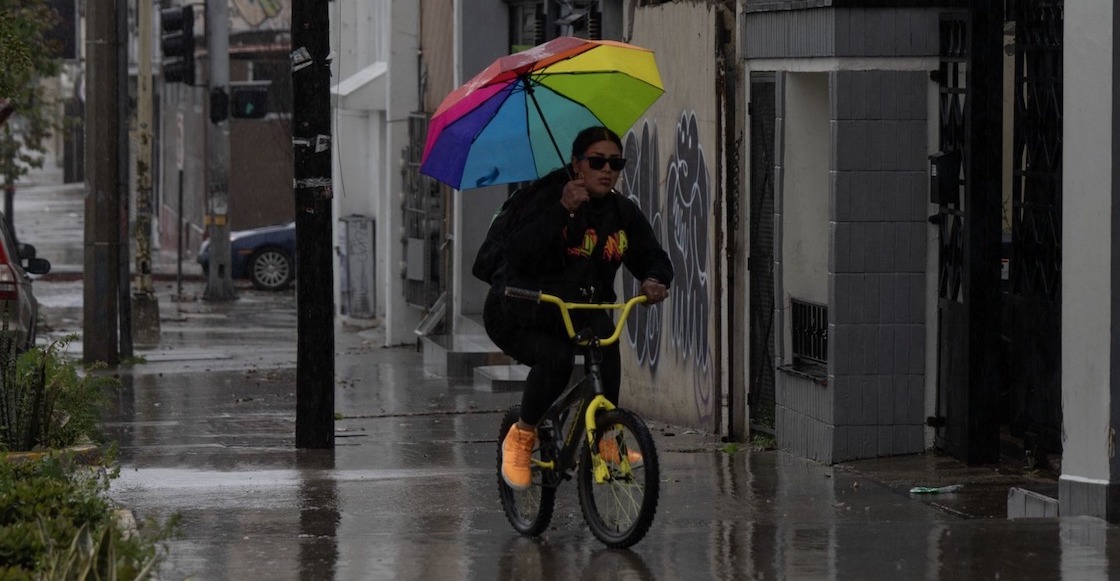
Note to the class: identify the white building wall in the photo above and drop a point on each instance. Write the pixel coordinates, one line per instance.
(807, 146)
(1087, 263)
(403, 98)
(371, 129)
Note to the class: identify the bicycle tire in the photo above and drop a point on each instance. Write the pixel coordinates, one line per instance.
(620, 510)
(529, 511)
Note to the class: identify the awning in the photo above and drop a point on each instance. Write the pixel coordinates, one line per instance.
(364, 90)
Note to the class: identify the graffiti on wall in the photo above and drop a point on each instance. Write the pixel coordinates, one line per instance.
(682, 228)
(689, 198)
(640, 184)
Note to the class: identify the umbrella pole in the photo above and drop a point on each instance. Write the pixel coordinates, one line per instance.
(529, 90)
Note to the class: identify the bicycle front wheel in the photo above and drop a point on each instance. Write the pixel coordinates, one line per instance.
(620, 502)
(529, 511)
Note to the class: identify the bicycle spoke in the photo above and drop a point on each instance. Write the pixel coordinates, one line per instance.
(622, 492)
(627, 503)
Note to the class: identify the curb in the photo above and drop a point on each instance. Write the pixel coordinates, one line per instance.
(85, 454)
(76, 276)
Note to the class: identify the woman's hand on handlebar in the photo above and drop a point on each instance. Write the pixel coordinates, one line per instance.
(654, 291)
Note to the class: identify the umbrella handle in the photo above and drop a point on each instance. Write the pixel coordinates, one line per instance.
(529, 91)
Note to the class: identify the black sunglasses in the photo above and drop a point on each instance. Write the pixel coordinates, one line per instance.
(597, 163)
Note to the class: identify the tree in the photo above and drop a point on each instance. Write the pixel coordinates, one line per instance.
(27, 57)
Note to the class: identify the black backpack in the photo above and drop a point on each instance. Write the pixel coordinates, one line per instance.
(490, 255)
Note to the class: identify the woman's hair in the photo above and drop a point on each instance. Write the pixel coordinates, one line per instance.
(592, 135)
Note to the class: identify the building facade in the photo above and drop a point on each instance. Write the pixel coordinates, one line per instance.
(881, 244)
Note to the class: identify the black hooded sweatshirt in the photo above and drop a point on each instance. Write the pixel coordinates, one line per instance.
(577, 257)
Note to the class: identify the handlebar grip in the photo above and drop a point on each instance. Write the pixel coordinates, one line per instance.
(521, 293)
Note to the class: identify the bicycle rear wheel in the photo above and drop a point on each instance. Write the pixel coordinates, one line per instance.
(620, 509)
(529, 511)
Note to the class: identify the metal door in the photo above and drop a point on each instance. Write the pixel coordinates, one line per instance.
(761, 261)
(966, 186)
(947, 172)
(1034, 299)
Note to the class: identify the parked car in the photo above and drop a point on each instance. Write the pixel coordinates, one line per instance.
(265, 256)
(17, 263)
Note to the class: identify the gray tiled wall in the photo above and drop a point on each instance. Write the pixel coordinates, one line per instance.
(877, 263)
(813, 29)
(798, 430)
(873, 402)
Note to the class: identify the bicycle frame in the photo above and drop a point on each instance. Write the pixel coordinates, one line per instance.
(588, 391)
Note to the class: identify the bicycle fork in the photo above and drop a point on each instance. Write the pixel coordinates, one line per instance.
(598, 465)
(597, 404)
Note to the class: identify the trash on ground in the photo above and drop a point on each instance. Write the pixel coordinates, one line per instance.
(936, 489)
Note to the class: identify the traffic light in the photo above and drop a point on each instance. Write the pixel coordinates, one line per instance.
(249, 102)
(177, 44)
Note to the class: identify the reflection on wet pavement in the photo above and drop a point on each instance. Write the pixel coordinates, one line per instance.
(206, 430)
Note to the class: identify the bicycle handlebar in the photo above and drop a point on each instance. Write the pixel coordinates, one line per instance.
(542, 297)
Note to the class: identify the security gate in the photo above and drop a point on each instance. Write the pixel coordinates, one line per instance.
(423, 222)
(1034, 299)
(966, 187)
(762, 113)
(946, 189)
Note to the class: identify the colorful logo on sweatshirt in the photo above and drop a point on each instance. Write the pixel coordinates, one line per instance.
(590, 240)
(615, 247)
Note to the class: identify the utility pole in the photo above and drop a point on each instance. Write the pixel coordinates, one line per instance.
(311, 144)
(145, 304)
(101, 260)
(124, 304)
(219, 283)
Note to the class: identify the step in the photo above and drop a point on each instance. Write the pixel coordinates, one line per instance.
(500, 378)
(456, 356)
(1024, 503)
(469, 325)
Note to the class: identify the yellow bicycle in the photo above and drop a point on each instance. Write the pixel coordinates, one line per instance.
(617, 470)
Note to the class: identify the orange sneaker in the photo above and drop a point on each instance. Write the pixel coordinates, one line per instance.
(517, 453)
(608, 450)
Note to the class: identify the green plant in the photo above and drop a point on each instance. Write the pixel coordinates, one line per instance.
(763, 442)
(44, 401)
(59, 524)
(29, 56)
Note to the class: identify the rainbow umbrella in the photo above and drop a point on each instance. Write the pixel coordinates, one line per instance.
(509, 122)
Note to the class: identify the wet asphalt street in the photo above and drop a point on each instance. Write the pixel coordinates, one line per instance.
(206, 430)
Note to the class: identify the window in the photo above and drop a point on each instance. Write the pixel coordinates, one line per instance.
(809, 323)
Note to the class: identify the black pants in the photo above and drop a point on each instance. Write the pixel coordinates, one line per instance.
(546, 349)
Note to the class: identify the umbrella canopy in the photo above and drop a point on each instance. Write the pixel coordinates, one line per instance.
(511, 122)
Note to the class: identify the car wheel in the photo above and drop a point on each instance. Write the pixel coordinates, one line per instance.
(271, 269)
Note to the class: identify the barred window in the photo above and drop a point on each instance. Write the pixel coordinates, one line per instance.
(809, 332)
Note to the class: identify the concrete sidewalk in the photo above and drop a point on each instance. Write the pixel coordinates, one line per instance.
(50, 216)
(206, 430)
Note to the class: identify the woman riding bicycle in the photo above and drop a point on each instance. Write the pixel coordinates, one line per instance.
(568, 238)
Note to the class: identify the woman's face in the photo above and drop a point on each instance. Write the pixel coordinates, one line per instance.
(599, 182)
